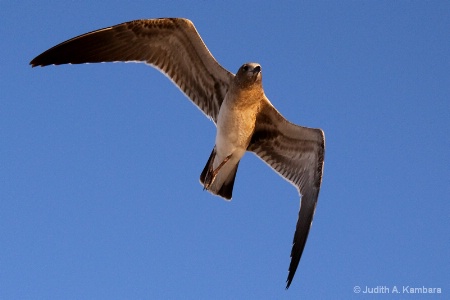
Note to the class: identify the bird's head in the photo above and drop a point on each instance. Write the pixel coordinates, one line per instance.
(248, 75)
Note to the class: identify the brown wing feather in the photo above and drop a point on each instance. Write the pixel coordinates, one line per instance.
(297, 154)
(171, 45)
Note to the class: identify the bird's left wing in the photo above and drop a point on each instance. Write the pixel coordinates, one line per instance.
(297, 154)
(173, 46)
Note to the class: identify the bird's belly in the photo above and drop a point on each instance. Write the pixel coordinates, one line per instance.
(234, 129)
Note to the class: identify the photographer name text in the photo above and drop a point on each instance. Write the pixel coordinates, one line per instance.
(396, 289)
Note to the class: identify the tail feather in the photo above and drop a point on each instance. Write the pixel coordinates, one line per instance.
(209, 164)
(224, 189)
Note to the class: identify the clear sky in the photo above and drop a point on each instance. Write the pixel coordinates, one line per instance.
(99, 164)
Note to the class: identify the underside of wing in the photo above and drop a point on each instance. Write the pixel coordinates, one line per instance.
(297, 154)
(171, 45)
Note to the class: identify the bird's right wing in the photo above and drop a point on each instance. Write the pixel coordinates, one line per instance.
(173, 46)
(297, 154)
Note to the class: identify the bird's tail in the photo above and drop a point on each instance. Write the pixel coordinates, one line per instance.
(221, 184)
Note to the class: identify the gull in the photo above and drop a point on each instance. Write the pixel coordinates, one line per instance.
(245, 118)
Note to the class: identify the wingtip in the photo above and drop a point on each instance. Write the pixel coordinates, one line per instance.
(33, 63)
(289, 281)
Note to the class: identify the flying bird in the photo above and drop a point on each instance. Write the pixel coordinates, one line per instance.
(245, 118)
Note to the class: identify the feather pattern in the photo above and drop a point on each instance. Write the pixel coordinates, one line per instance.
(173, 46)
(297, 154)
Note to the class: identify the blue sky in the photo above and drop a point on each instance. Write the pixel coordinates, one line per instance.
(99, 164)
